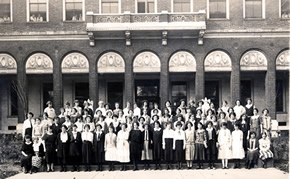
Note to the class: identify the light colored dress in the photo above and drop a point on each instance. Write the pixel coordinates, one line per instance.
(238, 151)
(123, 148)
(224, 140)
(110, 147)
(189, 144)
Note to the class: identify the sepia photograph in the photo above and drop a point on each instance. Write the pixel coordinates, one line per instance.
(131, 89)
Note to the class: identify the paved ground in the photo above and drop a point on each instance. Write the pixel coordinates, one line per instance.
(260, 173)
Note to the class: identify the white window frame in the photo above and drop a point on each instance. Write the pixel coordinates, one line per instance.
(263, 11)
(172, 7)
(100, 7)
(11, 14)
(28, 11)
(280, 10)
(136, 9)
(227, 10)
(83, 12)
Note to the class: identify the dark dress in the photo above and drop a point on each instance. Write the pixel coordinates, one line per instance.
(50, 146)
(99, 152)
(62, 149)
(168, 152)
(252, 156)
(249, 111)
(56, 129)
(157, 144)
(211, 149)
(26, 160)
(244, 128)
(136, 141)
(75, 145)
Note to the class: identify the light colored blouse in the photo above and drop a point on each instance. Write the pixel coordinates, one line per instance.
(88, 136)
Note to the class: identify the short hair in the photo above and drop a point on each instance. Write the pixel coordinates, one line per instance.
(225, 101)
(256, 109)
(225, 124)
(221, 114)
(233, 113)
(157, 122)
(237, 101)
(252, 132)
(265, 110)
(116, 116)
(209, 122)
(64, 126)
(27, 137)
(87, 126)
(249, 99)
(99, 125)
(30, 113)
(188, 122)
(48, 102)
(124, 124)
(178, 124)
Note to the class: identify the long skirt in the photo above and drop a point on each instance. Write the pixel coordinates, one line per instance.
(87, 152)
(189, 151)
(26, 162)
(252, 156)
(157, 151)
(179, 150)
(111, 154)
(266, 154)
(99, 153)
(135, 151)
(199, 152)
(168, 152)
(36, 161)
(225, 152)
(50, 154)
(62, 153)
(146, 152)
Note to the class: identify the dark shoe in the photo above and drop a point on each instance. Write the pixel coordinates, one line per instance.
(61, 170)
(31, 172)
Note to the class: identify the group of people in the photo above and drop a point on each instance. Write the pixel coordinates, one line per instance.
(201, 134)
(33, 18)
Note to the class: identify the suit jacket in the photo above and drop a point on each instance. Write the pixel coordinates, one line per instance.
(99, 143)
(62, 148)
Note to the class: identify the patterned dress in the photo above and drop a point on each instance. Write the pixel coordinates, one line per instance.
(200, 139)
(265, 152)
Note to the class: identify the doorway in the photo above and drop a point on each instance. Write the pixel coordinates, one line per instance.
(147, 90)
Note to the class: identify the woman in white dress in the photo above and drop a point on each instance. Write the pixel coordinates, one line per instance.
(123, 146)
(238, 152)
(224, 145)
(111, 147)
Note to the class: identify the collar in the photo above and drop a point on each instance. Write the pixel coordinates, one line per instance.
(157, 129)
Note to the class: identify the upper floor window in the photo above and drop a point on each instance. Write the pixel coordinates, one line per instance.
(74, 10)
(254, 9)
(218, 9)
(145, 6)
(285, 9)
(182, 6)
(37, 11)
(110, 7)
(5, 11)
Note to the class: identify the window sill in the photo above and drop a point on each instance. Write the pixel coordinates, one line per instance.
(285, 19)
(43, 22)
(74, 21)
(218, 19)
(254, 19)
(12, 116)
(282, 112)
(5, 22)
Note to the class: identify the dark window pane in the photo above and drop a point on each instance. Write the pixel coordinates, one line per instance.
(212, 92)
(74, 10)
(217, 9)
(13, 101)
(285, 9)
(279, 95)
(47, 89)
(115, 93)
(253, 8)
(147, 90)
(81, 92)
(245, 91)
(141, 7)
(178, 92)
(5, 11)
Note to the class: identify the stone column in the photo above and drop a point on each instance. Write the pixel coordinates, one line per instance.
(93, 82)
(129, 80)
(57, 83)
(199, 77)
(164, 80)
(22, 90)
(235, 80)
(270, 85)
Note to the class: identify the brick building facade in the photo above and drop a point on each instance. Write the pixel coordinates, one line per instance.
(130, 50)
